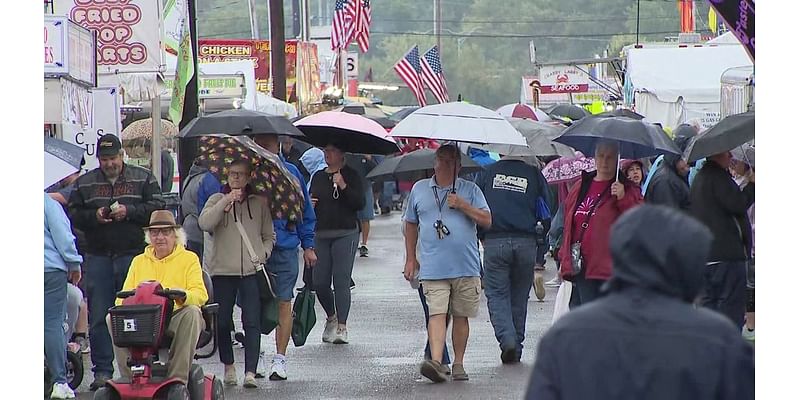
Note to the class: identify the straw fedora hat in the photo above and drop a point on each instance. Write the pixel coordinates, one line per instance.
(162, 219)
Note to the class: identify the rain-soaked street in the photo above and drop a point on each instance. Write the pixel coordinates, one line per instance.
(387, 336)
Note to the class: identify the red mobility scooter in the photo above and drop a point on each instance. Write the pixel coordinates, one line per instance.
(140, 324)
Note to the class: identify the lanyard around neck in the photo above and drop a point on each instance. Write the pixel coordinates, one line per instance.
(440, 203)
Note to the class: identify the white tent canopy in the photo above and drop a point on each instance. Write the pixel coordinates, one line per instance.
(692, 72)
(725, 38)
(674, 85)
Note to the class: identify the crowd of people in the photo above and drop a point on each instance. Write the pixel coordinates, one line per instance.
(643, 286)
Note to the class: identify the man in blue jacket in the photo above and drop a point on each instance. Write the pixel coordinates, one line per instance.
(62, 263)
(512, 189)
(284, 263)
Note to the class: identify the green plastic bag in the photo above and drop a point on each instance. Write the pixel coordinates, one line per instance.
(269, 315)
(304, 316)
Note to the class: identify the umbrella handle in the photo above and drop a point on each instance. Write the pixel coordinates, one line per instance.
(619, 160)
(455, 166)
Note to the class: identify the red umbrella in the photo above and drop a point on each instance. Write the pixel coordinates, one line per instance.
(520, 110)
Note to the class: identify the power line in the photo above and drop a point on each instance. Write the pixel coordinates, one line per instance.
(489, 21)
(521, 36)
(526, 21)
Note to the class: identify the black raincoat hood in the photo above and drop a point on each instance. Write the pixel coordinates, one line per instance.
(661, 249)
(683, 135)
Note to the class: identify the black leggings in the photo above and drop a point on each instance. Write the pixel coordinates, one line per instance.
(225, 289)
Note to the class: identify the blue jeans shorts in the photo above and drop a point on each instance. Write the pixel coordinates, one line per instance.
(285, 264)
(368, 212)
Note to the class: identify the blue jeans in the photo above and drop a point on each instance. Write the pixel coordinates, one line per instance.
(445, 355)
(104, 278)
(55, 309)
(285, 264)
(509, 275)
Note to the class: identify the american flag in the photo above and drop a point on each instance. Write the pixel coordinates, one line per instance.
(433, 76)
(363, 20)
(341, 27)
(408, 68)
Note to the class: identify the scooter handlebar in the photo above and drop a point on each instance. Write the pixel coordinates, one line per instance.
(125, 294)
(172, 294)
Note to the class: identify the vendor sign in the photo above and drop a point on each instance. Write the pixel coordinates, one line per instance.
(257, 51)
(563, 79)
(69, 49)
(128, 31)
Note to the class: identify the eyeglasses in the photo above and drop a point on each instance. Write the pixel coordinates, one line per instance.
(237, 174)
(161, 232)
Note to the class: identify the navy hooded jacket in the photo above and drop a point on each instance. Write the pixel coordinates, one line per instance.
(644, 339)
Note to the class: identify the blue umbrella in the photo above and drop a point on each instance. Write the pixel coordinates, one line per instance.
(636, 138)
(61, 159)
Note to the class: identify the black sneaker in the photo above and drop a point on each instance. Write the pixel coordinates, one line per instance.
(509, 356)
(238, 338)
(363, 251)
(99, 381)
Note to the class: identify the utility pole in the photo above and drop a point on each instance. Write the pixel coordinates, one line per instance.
(187, 148)
(255, 33)
(155, 140)
(637, 22)
(277, 45)
(437, 23)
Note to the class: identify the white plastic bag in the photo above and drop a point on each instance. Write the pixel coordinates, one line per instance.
(562, 300)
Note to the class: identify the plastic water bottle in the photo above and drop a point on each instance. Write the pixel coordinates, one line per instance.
(539, 233)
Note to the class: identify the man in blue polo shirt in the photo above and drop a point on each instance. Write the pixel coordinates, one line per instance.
(445, 226)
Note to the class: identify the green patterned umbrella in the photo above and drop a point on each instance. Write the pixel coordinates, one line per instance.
(271, 178)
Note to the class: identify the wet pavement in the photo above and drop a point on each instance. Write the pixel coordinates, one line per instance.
(387, 337)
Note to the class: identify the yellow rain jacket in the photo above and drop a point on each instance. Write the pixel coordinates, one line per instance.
(179, 270)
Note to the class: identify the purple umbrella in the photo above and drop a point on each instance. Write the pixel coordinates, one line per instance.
(566, 169)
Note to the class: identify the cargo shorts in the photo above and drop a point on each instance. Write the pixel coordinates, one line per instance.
(461, 296)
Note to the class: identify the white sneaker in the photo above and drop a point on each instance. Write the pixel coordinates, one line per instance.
(261, 368)
(278, 370)
(341, 336)
(330, 330)
(555, 282)
(62, 391)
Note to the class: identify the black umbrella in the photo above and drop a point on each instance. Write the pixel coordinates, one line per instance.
(406, 166)
(731, 132)
(621, 112)
(570, 111)
(398, 116)
(239, 122)
(384, 122)
(636, 138)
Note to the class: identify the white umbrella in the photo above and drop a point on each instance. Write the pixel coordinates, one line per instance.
(459, 122)
(56, 169)
(61, 159)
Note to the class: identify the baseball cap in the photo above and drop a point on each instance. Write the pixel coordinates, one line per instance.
(108, 145)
